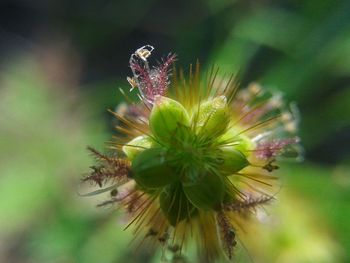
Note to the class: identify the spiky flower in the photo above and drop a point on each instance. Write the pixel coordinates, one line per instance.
(194, 158)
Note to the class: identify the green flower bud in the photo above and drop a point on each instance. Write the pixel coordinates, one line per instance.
(151, 170)
(239, 142)
(208, 193)
(168, 119)
(212, 117)
(137, 145)
(232, 160)
(175, 204)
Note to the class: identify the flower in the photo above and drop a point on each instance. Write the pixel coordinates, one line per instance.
(194, 159)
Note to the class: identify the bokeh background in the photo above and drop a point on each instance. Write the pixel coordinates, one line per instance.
(61, 64)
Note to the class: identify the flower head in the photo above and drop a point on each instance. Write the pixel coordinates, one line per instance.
(195, 158)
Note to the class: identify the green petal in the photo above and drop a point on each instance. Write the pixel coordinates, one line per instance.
(151, 170)
(238, 141)
(175, 204)
(137, 145)
(168, 119)
(212, 117)
(232, 160)
(208, 193)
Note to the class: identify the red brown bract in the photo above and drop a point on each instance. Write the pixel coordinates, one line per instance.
(109, 169)
(150, 81)
(227, 233)
(270, 149)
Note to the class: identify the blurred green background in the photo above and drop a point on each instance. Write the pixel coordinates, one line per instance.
(61, 64)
